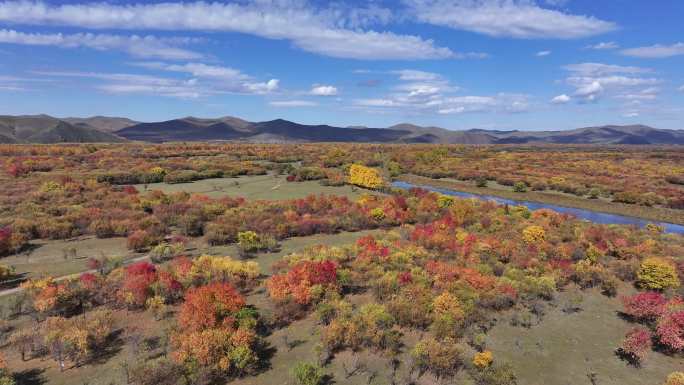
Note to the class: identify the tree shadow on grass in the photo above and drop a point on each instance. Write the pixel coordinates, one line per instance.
(30, 377)
(112, 347)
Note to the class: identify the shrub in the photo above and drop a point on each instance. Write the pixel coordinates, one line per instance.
(161, 372)
(248, 241)
(378, 214)
(496, 375)
(675, 378)
(645, 306)
(305, 282)
(670, 330)
(6, 377)
(365, 177)
(520, 187)
(533, 234)
(308, 173)
(5, 273)
(657, 274)
(483, 359)
(182, 176)
(635, 346)
(139, 240)
(442, 358)
(165, 251)
(208, 306)
(306, 373)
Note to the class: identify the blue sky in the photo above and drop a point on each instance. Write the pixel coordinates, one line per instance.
(458, 64)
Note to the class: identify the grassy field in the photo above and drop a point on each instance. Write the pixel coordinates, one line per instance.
(253, 187)
(565, 348)
(63, 257)
(553, 197)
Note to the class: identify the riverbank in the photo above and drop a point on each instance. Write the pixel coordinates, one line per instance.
(656, 214)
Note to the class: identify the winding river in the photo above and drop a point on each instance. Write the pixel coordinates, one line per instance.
(593, 216)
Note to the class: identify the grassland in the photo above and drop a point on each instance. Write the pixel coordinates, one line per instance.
(267, 187)
(658, 214)
(64, 257)
(566, 348)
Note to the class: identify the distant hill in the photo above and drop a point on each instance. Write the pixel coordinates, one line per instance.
(279, 131)
(103, 123)
(47, 129)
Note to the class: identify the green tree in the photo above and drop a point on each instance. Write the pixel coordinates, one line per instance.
(306, 373)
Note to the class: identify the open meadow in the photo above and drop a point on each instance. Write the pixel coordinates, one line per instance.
(184, 264)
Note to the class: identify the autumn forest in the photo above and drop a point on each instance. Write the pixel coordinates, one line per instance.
(312, 264)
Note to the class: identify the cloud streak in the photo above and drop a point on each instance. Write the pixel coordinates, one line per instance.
(138, 46)
(656, 51)
(318, 31)
(292, 103)
(507, 18)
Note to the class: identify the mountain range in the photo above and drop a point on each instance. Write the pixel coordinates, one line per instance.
(47, 129)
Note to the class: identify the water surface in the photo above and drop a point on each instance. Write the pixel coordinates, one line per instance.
(589, 215)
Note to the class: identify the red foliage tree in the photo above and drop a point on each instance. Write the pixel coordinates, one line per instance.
(636, 345)
(670, 330)
(298, 281)
(645, 306)
(137, 283)
(210, 306)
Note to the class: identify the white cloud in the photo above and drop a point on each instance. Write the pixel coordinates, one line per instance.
(292, 103)
(121, 83)
(631, 115)
(375, 102)
(597, 69)
(593, 80)
(681, 88)
(655, 51)
(207, 80)
(139, 46)
(323, 90)
(428, 92)
(416, 75)
(543, 53)
(650, 93)
(332, 32)
(508, 18)
(561, 99)
(224, 79)
(603, 46)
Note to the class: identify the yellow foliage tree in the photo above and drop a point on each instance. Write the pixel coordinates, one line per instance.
(483, 359)
(446, 304)
(657, 274)
(675, 378)
(212, 268)
(533, 234)
(365, 177)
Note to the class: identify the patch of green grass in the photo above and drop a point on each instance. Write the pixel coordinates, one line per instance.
(566, 348)
(269, 187)
(62, 257)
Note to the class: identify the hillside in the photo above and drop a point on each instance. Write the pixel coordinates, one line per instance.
(47, 129)
(283, 131)
(103, 123)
